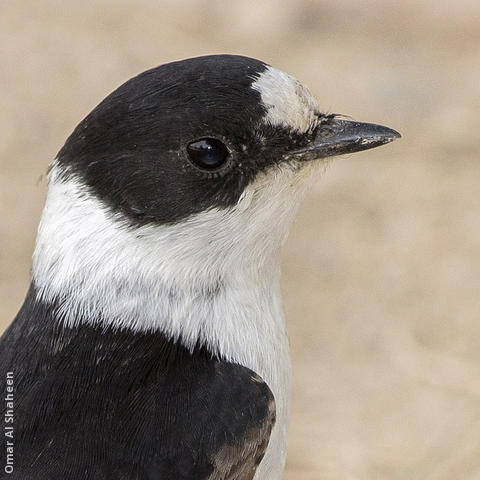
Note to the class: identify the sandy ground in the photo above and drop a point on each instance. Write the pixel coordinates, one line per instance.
(381, 273)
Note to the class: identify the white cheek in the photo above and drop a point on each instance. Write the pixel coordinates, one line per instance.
(245, 200)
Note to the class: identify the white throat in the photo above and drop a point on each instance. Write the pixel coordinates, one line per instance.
(212, 279)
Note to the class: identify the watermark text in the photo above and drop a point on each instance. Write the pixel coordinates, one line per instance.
(8, 422)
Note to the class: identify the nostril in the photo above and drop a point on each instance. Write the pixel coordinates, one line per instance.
(325, 131)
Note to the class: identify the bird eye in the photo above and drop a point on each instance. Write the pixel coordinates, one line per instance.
(207, 153)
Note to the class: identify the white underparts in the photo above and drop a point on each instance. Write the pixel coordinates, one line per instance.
(213, 278)
(289, 103)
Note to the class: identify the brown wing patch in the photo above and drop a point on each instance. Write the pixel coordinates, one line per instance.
(239, 461)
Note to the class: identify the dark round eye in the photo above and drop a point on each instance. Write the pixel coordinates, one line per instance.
(207, 153)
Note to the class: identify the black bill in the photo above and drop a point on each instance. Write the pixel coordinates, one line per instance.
(339, 137)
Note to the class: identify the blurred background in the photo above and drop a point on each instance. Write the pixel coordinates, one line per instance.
(381, 273)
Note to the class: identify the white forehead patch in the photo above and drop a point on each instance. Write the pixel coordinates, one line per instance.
(289, 103)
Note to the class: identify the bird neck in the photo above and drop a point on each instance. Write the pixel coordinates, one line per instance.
(208, 280)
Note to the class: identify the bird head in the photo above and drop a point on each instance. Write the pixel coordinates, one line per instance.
(189, 173)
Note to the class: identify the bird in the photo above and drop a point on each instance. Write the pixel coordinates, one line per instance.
(152, 344)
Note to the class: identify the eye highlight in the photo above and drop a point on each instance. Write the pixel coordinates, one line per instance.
(207, 153)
